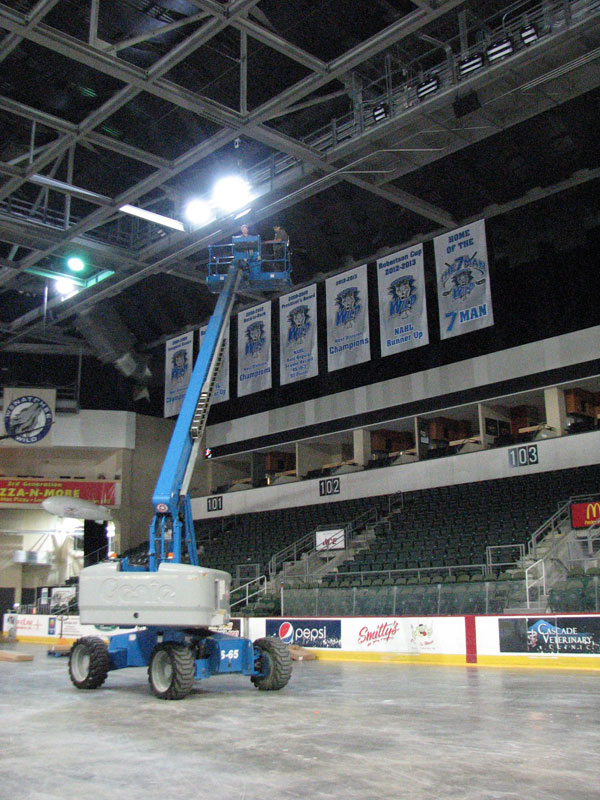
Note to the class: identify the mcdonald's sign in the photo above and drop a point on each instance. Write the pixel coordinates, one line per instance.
(585, 514)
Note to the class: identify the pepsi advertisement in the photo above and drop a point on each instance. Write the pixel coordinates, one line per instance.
(323, 633)
(557, 635)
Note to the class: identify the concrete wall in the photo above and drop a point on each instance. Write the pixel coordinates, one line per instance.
(141, 467)
(505, 365)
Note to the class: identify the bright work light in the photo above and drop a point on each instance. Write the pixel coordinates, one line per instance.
(529, 34)
(428, 87)
(198, 212)
(231, 193)
(470, 65)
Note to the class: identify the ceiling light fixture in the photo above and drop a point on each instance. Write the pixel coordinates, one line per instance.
(529, 34)
(428, 87)
(75, 264)
(231, 193)
(498, 50)
(470, 65)
(381, 111)
(150, 216)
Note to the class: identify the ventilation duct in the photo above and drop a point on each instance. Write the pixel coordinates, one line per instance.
(113, 343)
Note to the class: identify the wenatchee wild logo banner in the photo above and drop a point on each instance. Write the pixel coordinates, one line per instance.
(347, 319)
(254, 349)
(298, 335)
(28, 419)
(463, 283)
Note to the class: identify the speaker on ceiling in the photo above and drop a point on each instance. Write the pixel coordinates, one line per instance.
(466, 104)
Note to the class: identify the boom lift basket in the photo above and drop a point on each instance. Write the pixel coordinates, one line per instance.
(265, 265)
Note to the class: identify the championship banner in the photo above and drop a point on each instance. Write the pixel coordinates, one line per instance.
(298, 335)
(28, 416)
(402, 303)
(347, 319)
(463, 281)
(178, 369)
(254, 350)
(221, 390)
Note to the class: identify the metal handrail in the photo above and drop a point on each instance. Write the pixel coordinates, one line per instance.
(547, 527)
(306, 544)
(541, 581)
(595, 527)
(492, 548)
(391, 500)
(378, 573)
(549, 17)
(255, 587)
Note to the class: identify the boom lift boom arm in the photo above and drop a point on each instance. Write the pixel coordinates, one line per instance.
(172, 512)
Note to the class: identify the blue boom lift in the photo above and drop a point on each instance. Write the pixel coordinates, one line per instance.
(171, 607)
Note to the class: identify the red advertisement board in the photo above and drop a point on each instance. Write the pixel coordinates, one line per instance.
(32, 491)
(584, 514)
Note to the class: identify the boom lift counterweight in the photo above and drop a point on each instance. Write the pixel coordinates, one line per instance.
(171, 606)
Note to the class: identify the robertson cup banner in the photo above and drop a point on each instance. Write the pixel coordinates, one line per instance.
(402, 303)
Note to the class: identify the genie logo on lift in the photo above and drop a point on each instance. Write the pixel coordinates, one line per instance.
(307, 632)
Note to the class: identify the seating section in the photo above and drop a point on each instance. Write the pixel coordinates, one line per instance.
(461, 597)
(254, 538)
(577, 593)
(443, 527)
(453, 525)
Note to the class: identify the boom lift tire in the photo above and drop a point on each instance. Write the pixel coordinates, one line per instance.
(171, 671)
(274, 663)
(89, 662)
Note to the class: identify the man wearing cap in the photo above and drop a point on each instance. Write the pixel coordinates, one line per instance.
(280, 235)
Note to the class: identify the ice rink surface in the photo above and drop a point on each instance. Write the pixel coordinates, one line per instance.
(353, 731)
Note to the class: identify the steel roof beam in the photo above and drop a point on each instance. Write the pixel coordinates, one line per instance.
(50, 349)
(137, 79)
(7, 18)
(281, 45)
(99, 139)
(352, 58)
(144, 37)
(396, 196)
(35, 16)
(393, 33)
